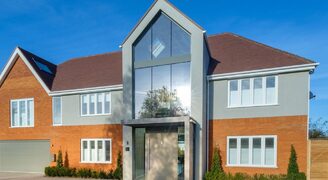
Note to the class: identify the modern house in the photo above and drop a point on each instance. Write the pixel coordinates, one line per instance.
(166, 100)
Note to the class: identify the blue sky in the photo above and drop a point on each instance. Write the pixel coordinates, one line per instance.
(58, 30)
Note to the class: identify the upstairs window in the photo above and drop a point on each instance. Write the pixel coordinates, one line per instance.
(56, 110)
(22, 113)
(96, 104)
(163, 39)
(253, 91)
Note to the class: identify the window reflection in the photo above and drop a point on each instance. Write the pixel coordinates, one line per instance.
(162, 91)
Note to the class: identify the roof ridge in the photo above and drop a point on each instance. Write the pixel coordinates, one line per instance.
(273, 48)
(89, 56)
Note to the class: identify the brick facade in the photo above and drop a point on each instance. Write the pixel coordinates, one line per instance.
(289, 130)
(21, 83)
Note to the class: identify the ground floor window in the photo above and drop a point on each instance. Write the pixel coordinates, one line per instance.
(96, 150)
(258, 151)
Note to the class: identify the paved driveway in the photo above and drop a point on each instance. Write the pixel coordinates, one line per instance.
(29, 176)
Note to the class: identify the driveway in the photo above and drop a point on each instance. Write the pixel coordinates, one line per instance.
(29, 176)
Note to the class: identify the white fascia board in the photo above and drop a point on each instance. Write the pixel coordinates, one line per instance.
(87, 90)
(262, 72)
(17, 53)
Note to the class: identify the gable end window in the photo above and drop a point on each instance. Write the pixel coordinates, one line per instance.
(96, 104)
(22, 112)
(252, 151)
(258, 91)
(57, 110)
(96, 150)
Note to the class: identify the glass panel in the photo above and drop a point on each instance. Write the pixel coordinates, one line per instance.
(234, 98)
(30, 113)
(269, 151)
(139, 153)
(270, 90)
(100, 151)
(142, 50)
(244, 151)
(245, 92)
(256, 151)
(92, 104)
(84, 104)
(107, 103)
(14, 113)
(180, 41)
(181, 86)
(22, 113)
(161, 97)
(56, 110)
(100, 103)
(142, 87)
(232, 151)
(85, 151)
(161, 37)
(92, 151)
(258, 91)
(107, 146)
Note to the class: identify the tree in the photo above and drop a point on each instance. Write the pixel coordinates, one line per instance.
(66, 162)
(118, 173)
(60, 159)
(292, 165)
(216, 171)
(318, 128)
(161, 103)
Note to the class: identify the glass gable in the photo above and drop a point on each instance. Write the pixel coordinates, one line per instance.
(163, 39)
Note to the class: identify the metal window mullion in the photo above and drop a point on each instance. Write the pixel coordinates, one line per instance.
(251, 89)
(26, 112)
(264, 90)
(238, 151)
(250, 148)
(262, 151)
(103, 102)
(239, 92)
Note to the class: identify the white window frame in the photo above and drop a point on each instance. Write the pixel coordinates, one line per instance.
(61, 110)
(252, 92)
(250, 151)
(96, 149)
(18, 112)
(95, 106)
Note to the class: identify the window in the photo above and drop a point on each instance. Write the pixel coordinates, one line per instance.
(96, 150)
(256, 151)
(253, 92)
(56, 110)
(172, 80)
(42, 67)
(95, 104)
(22, 113)
(163, 39)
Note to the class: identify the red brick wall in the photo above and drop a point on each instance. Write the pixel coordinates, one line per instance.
(21, 83)
(289, 130)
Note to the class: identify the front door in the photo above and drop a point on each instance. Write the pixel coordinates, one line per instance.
(161, 155)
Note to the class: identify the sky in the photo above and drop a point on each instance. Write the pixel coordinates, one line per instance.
(58, 30)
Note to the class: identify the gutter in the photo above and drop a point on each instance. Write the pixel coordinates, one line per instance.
(87, 90)
(262, 72)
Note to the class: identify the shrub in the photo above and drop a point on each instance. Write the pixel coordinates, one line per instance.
(84, 173)
(102, 175)
(118, 172)
(216, 171)
(292, 165)
(60, 159)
